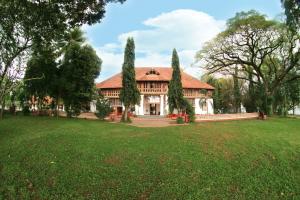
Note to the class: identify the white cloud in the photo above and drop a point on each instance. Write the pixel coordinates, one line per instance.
(185, 30)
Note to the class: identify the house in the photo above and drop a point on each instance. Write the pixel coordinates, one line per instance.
(153, 86)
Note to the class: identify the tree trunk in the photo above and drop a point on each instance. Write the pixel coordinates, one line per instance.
(126, 114)
(2, 109)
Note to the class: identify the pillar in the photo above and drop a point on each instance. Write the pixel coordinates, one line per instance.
(197, 107)
(162, 104)
(141, 107)
(93, 106)
(210, 106)
(167, 105)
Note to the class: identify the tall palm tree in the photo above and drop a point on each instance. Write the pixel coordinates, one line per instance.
(74, 36)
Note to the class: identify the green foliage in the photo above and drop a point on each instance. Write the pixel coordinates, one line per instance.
(217, 97)
(175, 91)
(103, 107)
(26, 110)
(250, 18)
(292, 12)
(287, 97)
(224, 93)
(251, 96)
(189, 110)
(27, 22)
(50, 19)
(80, 67)
(179, 120)
(265, 48)
(129, 94)
(41, 73)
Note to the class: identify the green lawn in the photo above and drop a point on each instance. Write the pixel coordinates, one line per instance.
(48, 158)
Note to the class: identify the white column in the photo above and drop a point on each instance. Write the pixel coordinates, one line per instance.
(167, 105)
(197, 107)
(210, 106)
(93, 106)
(162, 105)
(137, 109)
(141, 107)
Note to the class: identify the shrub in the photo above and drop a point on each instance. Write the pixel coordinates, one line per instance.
(103, 107)
(180, 120)
(189, 110)
(74, 110)
(26, 110)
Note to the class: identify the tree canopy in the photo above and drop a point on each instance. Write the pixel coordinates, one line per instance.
(292, 12)
(80, 67)
(129, 94)
(40, 76)
(175, 91)
(27, 22)
(265, 48)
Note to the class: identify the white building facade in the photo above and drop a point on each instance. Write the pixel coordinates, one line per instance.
(153, 86)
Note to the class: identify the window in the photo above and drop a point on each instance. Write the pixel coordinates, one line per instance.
(152, 72)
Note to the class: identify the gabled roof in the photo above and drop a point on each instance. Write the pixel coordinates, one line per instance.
(161, 74)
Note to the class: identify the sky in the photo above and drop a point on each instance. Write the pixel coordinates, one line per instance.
(159, 26)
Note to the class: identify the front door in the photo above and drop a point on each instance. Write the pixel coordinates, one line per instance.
(152, 109)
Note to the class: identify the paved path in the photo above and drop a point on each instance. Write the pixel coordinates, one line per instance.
(224, 117)
(157, 121)
(153, 122)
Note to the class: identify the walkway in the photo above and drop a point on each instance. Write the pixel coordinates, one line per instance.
(153, 121)
(224, 117)
(160, 121)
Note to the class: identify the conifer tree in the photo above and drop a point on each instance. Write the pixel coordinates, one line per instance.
(175, 92)
(129, 94)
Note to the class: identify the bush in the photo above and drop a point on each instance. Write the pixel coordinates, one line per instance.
(74, 110)
(189, 110)
(26, 110)
(103, 108)
(180, 120)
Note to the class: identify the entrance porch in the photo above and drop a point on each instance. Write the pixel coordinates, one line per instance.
(152, 105)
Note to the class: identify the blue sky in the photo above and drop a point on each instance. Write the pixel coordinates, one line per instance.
(158, 26)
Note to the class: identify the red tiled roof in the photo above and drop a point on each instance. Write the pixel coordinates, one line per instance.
(164, 74)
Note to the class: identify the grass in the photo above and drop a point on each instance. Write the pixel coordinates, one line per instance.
(47, 158)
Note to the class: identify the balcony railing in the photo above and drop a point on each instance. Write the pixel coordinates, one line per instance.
(186, 93)
(153, 90)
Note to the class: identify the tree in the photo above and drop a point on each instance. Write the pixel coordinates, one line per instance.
(224, 95)
(287, 97)
(292, 12)
(250, 98)
(175, 92)
(80, 67)
(216, 95)
(24, 22)
(189, 110)
(41, 74)
(103, 107)
(129, 94)
(265, 48)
